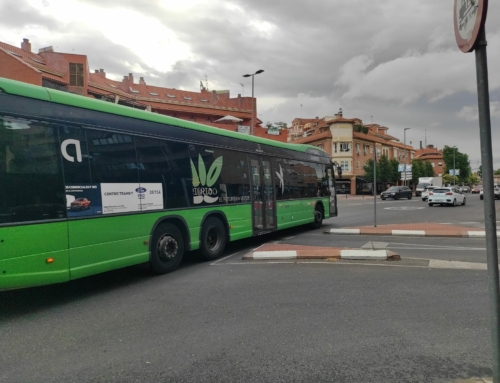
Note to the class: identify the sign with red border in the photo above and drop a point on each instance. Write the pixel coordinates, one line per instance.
(469, 17)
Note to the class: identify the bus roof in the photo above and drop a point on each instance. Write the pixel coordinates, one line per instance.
(47, 94)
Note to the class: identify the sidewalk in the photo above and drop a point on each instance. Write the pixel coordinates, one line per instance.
(423, 229)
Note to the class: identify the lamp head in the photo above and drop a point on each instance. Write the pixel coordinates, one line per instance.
(259, 71)
(246, 75)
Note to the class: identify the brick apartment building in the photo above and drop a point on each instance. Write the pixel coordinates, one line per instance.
(70, 72)
(350, 143)
(434, 156)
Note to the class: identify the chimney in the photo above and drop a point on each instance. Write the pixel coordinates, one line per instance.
(26, 45)
(141, 81)
(131, 78)
(102, 73)
(420, 144)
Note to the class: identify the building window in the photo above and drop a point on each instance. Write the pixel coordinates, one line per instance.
(358, 148)
(366, 149)
(357, 164)
(335, 147)
(440, 164)
(432, 163)
(344, 165)
(75, 74)
(344, 147)
(371, 149)
(395, 153)
(320, 146)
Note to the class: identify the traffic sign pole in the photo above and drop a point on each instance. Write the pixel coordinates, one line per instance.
(489, 199)
(469, 17)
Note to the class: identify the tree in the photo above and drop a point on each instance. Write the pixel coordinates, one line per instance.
(480, 171)
(473, 179)
(417, 170)
(429, 170)
(448, 179)
(497, 172)
(461, 162)
(368, 168)
(384, 167)
(395, 173)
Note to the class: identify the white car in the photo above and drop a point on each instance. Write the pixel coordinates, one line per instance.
(496, 190)
(446, 196)
(426, 191)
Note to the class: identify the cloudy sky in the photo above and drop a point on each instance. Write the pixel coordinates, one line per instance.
(393, 62)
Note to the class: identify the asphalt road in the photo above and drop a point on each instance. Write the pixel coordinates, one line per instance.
(235, 321)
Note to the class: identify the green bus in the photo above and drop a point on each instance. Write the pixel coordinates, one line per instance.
(88, 186)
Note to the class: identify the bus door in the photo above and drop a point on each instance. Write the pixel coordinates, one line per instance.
(263, 200)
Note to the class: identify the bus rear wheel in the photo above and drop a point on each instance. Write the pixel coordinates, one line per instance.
(167, 249)
(213, 239)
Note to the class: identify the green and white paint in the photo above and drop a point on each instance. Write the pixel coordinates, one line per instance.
(203, 181)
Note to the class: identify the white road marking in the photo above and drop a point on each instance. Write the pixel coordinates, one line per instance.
(435, 264)
(374, 245)
(409, 232)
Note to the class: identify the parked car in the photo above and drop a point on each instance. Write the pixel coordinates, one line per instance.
(446, 196)
(426, 191)
(496, 190)
(80, 204)
(397, 192)
(466, 189)
(476, 189)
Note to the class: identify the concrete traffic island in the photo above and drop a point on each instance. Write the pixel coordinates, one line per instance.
(422, 229)
(277, 252)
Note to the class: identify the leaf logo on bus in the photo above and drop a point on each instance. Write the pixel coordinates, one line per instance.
(203, 181)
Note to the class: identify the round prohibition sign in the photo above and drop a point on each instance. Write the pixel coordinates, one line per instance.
(405, 208)
(469, 17)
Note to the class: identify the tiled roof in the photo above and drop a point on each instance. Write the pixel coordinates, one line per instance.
(373, 138)
(314, 137)
(162, 101)
(28, 58)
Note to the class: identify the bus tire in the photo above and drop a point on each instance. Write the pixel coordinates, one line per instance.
(167, 249)
(318, 217)
(213, 239)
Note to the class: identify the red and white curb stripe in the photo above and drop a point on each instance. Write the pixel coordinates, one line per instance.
(411, 233)
(347, 254)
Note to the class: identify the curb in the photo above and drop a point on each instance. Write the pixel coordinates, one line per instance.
(332, 254)
(410, 233)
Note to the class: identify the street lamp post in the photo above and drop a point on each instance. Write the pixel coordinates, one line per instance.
(406, 153)
(252, 75)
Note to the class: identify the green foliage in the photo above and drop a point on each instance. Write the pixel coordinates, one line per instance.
(368, 168)
(417, 170)
(395, 173)
(473, 179)
(429, 170)
(461, 163)
(497, 172)
(448, 179)
(480, 171)
(384, 167)
(360, 128)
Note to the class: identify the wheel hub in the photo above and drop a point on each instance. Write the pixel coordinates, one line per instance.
(167, 247)
(213, 239)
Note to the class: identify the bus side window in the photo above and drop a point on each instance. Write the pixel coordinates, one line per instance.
(30, 168)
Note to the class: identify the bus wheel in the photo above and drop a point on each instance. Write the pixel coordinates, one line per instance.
(318, 218)
(213, 239)
(167, 249)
